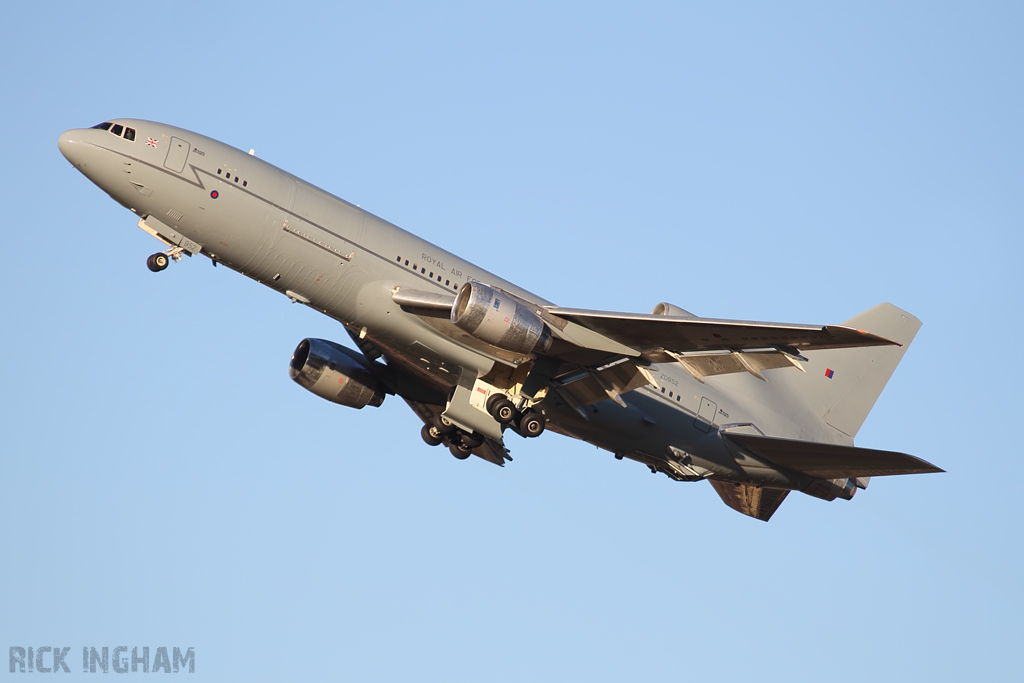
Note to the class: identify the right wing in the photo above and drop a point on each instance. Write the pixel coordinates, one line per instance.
(587, 340)
(650, 332)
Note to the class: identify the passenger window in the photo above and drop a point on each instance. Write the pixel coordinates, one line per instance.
(236, 179)
(245, 183)
(117, 129)
(219, 171)
(129, 134)
(103, 126)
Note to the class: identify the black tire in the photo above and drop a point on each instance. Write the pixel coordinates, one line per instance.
(531, 424)
(459, 450)
(443, 428)
(157, 262)
(471, 440)
(503, 411)
(431, 436)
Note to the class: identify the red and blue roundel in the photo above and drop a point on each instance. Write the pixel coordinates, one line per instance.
(214, 194)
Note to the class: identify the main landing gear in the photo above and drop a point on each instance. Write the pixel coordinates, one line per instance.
(529, 424)
(460, 443)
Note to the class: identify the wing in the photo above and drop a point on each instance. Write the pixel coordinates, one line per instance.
(587, 340)
(651, 332)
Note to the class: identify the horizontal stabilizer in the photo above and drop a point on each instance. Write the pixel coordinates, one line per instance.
(759, 502)
(830, 461)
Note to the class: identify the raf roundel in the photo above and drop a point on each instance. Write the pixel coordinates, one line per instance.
(214, 194)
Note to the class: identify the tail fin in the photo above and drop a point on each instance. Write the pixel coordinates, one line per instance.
(844, 391)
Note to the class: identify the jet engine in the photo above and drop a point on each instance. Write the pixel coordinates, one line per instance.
(333, 372)
(830, 489)
(498, 319)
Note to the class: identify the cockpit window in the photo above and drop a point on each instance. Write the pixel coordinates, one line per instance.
(117, 129)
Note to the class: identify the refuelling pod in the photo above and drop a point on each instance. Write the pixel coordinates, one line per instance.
(335, 373)
(498, 319)
(665, 308)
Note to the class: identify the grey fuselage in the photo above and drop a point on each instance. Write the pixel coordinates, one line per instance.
(345, 262)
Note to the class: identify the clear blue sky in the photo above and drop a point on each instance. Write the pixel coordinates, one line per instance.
(165, 484)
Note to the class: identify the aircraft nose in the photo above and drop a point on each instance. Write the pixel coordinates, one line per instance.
(70, 148)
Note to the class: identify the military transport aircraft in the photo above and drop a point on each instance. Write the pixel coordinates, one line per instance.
(757, 409)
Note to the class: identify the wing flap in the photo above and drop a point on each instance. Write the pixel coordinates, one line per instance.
(830, 461)
(606, 382)
(707, 364)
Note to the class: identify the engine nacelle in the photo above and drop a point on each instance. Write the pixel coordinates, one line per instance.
(665, 308)
(499, 319)
(830, 489)
(333, 372)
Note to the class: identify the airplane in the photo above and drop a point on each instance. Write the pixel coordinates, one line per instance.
(757, 409)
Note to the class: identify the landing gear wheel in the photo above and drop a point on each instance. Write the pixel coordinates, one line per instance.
(459, 450)
(443, 428)
(531, 424)
(157, 262)
(472, 440)
(431, 435)
(502, 410)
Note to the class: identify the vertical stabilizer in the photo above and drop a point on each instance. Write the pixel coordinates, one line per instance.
(854, 378)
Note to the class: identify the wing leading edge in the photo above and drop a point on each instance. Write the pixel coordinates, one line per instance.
(649, 332)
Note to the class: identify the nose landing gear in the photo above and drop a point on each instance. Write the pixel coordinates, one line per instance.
(160, 260)
(157, 262)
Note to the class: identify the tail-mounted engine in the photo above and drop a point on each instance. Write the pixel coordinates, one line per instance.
(333, 372)
(830, 489)
(498, 319)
